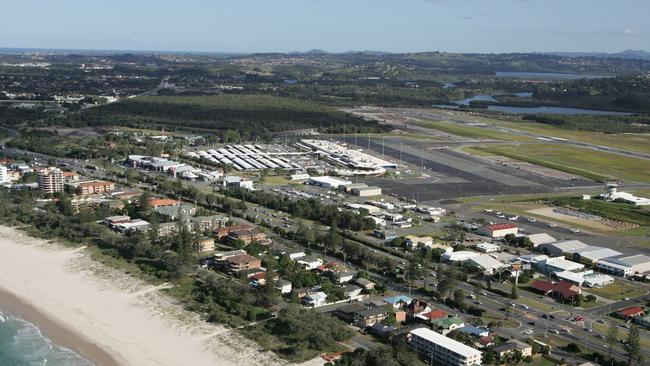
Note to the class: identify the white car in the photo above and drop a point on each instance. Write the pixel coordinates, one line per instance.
(528, 332)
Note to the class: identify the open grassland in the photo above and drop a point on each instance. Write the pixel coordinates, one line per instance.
(627, 141)
(618, 290)
(588, 163)
(475, 132)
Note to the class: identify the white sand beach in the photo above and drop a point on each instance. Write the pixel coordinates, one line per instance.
(108, 316)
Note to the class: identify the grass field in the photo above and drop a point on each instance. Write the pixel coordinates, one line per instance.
(617, 291)
(626, 141)
(472, 131)
(587, 163)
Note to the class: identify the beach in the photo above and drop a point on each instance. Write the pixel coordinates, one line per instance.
(107, 316)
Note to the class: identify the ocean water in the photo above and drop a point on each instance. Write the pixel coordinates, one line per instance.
(23, 344)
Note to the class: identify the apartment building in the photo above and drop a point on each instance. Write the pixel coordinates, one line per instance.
(50, 180)
(442, 350)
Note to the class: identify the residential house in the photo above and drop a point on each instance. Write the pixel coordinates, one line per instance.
(283, 286)
(310, 263)
(475, 331)
(315, 299)
(370, 316)
(417, 241)
(432, 315)
(510, 347)
(417, 307)
(352, 292)
(366, 284)
(446, 325)
(342, 277)
(397, 302)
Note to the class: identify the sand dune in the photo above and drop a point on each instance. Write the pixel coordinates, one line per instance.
(108, 316)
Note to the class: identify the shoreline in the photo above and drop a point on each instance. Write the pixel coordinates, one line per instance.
(58, 333)
(107, 316)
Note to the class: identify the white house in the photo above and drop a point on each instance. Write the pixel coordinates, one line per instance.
(284, 286)
(315, 299)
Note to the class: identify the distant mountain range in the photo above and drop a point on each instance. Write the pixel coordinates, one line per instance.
(630, 54)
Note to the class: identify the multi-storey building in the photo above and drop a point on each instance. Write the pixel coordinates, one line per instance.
(441, 350)
(50, 180)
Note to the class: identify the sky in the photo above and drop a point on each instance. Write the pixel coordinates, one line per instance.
(486, 26)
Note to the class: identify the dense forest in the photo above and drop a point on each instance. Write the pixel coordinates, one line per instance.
(251, 116)
(604, 123)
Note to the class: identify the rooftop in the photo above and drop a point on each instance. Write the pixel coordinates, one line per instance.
(503, 226)
(445, 342)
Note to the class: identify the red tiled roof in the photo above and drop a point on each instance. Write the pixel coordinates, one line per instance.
(95, 184)
(436, 314)
(158, 202)
(566, 289)
(494, 227)
(631, 311)
(544, 286)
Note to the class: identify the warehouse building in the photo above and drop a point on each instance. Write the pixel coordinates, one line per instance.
(592, 254)
(540, 238)
(460, 256)
(349, 187)
(560, 264)
(485, 262)
(562, 248)
(625, 265)
(328, 182)
(443, 350)
(487, 247)
(366, 191)
(498, 231)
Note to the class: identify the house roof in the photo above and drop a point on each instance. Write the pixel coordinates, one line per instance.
(396, 299)
(241, 259)
(631, 311)
(417, 306)
(475, 331)
(436, 314)
(448, 322)
(157, 202)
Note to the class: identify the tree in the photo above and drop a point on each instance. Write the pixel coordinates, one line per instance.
(508, 310)
(612, 337)
(632, 347)
(413, 272)
(513, 291)
(459, 297)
